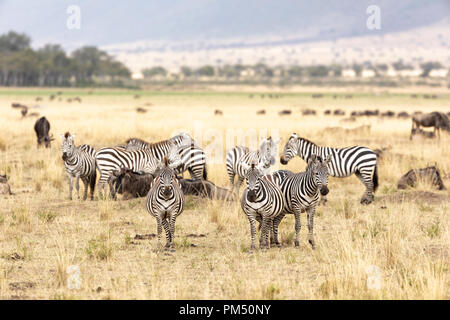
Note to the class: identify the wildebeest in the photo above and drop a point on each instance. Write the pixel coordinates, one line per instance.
(4, 186)
(77, 99)
(284, 112)
(327, 112)
(218, 112)
(261, 111)
(403, 114)
(437, 120)
(388, 114)
(430, 174)
(38, 99)
(42, 128)
(339, 112)
(206, 189)
(317, 95)
(308, 112)
(131, 184)
(23, 108)
(141, 110)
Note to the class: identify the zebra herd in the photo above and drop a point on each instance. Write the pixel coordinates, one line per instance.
(267, 198)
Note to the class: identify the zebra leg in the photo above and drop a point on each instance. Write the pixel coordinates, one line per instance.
(172, 232)
(70, 177)
(86, 185)
(252, 221)
(298, 226)
(266, 223)
(111, 188)
(166, 226)
(159, 222)
(77, 185)
(367, 197)
(310, 214)
(276, 223)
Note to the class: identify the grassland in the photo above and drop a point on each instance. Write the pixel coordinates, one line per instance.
(404, 233)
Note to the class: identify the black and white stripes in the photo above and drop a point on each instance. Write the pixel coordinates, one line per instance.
(239, 158)
(357, 160)
(165, 201)
(301, 193)
(79, 163)
(261, 201)
(192, 157)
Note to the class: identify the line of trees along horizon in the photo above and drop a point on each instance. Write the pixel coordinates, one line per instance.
(51, 66)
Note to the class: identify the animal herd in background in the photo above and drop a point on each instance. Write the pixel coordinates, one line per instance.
(139, 168)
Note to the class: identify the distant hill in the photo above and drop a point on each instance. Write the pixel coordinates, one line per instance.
(140, 32)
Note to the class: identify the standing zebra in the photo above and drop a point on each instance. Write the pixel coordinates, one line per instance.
(80, 163)
(165, 201)
(192, 157)
(301, 192)
(240, 157)
(109, 159)
(357, 160)
(261, 201)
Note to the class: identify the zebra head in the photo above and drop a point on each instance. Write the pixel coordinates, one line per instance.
(290, 149)
(68, 145)
(166, 180)
(319, 168)
(253, 176)
(268, 152)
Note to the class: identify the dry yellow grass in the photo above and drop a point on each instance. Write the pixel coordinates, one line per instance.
(405, 234)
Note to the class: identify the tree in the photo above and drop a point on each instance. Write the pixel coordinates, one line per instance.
(13, 42)
(206, 71)
(186, 71)
(155, 71)
(428, 66)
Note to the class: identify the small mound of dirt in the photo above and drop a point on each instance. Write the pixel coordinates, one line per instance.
(21, 285)
(426, 196)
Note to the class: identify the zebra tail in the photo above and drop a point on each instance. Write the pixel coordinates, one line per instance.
(375, 178)
(92, 180)
(205, 174)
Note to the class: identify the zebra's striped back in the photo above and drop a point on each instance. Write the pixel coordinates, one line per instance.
(344, 162)
(193, 157)
(77, 160)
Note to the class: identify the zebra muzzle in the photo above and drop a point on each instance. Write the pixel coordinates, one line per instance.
(64, 156)
(251, 196)
(283, 161)
(324, 190)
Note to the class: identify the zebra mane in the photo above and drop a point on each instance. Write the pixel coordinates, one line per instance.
(307, 141)
(67, 134)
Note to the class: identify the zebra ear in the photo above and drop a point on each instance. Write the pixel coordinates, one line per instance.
(328, 158)
(312, 158)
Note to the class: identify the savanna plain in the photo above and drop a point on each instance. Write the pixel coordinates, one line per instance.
(403, 235)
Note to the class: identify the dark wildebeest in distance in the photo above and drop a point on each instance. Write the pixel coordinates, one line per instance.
(23, 108)
(42, 128)
(430, 174)
(261, 111)
(4, 186)
(437, 120)
(218, 112)
(339, 112)
(284, 112)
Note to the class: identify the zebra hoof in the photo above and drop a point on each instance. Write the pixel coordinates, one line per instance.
(366, 201)
(312, 243)
(296, 243)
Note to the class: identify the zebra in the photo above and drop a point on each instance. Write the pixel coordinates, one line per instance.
(109, 159)
(357, 160)
(165, 202)
(261, 201)
(240, 155)
(79, 163)
(301, 193)
(193, 158)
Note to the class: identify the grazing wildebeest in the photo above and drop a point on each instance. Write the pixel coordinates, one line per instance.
(284, 112)
(52, 97)
(23, 108)
(327, 112)
(4, 186)
(261, 111)
(317, 95)
(437, 120)
(77, 99)
(206, 189)
(218, 112)
(403, 114)
(388, 114)
(339, 112)
(141, 110)
(132, 184)
(42, 128)
(308, 112)
(38, 99)
(430, 174)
